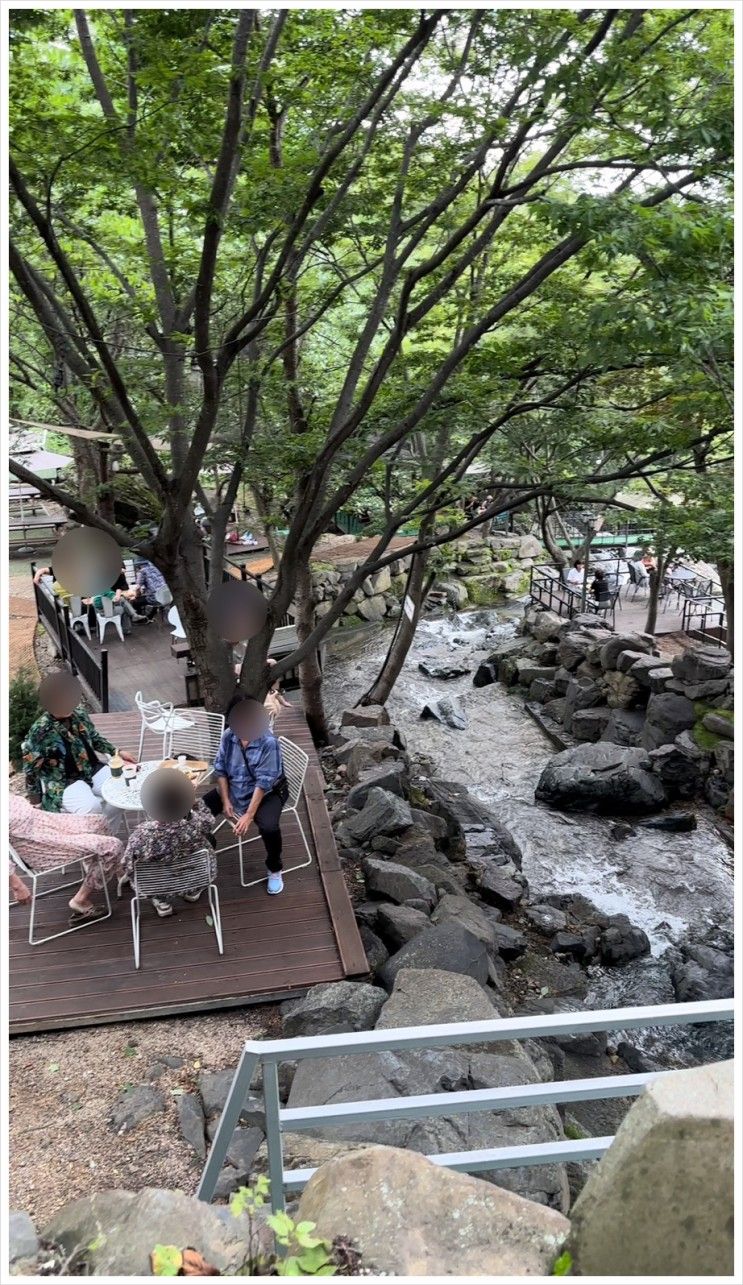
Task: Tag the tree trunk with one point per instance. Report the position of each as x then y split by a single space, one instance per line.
310 673
726 572
416 589
558 555
262 511
656 582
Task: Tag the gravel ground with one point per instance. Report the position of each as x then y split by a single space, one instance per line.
62 1089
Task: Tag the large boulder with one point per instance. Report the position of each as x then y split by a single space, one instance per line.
701 665
331 1009
660 1203
383 813
421 998
624 727
614 646
680 772
622 941
546 627
601 778
666 716
391 776
117 1231
449 710
398 924
410 1217
530 547
447 946
582 693
461 910
365 716
443 669
23 1242
590 724
622 690
397 883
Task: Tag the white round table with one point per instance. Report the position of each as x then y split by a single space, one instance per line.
124 794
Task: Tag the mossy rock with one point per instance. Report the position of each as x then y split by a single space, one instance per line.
321 566
705 739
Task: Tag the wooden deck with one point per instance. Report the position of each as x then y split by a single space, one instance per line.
274 947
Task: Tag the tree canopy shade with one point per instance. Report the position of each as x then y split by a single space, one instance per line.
314 244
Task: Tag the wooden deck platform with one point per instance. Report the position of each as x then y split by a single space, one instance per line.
274 947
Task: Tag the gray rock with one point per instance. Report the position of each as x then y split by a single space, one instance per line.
486 674
600 778
542 691
667 714
382 814
622 690
562 680
555 709
398 924
446 946
391 776
546 919
657 680
719 725
530 547
701 664
214 1087
528 671
435 825
501 886
374 948
348 737
472 917
191 1120
703 973
383 843
546 627
449 710
675 822
510 942
643 667
366 913
625 727
582 693
589 724
397 883
443 669
332 1008
135 1105
585 620
614 646
365 716
680 773
623 941
23 1243
575 945
119 1230
723 756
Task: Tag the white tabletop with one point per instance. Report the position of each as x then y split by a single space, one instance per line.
124 794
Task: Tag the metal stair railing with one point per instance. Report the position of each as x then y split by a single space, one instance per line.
269 1053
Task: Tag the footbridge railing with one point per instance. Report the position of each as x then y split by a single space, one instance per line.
268 1054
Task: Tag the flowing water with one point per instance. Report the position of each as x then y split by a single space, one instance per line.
668 884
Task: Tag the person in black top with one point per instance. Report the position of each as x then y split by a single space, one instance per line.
601 589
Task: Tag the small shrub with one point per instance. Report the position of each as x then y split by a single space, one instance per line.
23 710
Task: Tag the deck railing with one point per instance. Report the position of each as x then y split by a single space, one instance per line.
705 619
73 650
269 1054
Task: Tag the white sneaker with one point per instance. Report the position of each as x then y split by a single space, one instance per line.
162 908
275 883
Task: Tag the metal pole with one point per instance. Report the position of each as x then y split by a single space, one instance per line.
227 1125
272 1106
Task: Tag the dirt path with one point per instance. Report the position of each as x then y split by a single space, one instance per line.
62 1089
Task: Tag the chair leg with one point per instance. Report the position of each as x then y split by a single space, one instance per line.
287 869
300 865
118 627
141 742
35 895
86 627
135 909
216 917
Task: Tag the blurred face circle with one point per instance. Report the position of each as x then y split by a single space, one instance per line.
248 720
167 795
86 561
60 693
237 611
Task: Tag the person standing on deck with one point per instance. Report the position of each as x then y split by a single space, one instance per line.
251 785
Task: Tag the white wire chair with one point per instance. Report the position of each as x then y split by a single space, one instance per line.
295 769
64 867
200 738
187 873
160 717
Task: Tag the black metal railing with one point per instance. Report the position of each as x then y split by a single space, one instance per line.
547 589
73 651
705 618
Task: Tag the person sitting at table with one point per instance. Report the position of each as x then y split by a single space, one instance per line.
177 825
600 587
575 575
251 785
149 581
44 840
60 759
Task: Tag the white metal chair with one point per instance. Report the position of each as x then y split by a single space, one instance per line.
174 620
295 770
108 616
164 599
185 874
63 868
199 737
79 614
161 718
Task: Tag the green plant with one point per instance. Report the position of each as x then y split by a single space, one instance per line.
563 1265
573 1131
23 710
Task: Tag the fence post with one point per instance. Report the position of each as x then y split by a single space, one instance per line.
104 681
272 1105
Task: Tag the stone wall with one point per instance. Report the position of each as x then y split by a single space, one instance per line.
471 573
650 730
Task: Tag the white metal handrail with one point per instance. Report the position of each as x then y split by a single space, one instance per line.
269 1053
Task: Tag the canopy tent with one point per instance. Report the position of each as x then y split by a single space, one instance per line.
45 464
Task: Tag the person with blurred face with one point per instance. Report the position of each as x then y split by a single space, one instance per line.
60 754
251 785
177 825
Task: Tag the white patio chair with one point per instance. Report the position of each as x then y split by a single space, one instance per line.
108 616
295 770
185 874
174 620
64 867
164 599
160 717
79 614
200 739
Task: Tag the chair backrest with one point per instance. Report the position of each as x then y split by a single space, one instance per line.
200 740
163 596
632 572
76 607
107 608
295 768
185 873
151 711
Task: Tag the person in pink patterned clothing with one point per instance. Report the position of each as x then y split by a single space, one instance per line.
45 839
